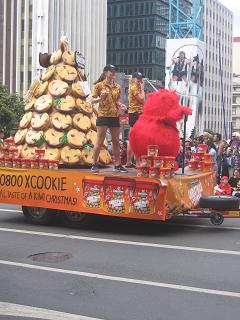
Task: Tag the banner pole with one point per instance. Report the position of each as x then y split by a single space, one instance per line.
184 144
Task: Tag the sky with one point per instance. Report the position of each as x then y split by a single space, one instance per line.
234 6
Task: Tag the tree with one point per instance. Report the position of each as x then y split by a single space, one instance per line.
11 110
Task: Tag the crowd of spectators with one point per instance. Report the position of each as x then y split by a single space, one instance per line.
226 155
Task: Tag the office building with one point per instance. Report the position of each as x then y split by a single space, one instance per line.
217 95
133 40
236 55
236 104
236 85
137 30
8 39
32 26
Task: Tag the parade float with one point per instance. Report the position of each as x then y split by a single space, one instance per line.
46 168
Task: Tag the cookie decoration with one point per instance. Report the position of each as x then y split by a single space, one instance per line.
58 116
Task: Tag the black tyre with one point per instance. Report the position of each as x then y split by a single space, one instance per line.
38 216
216 219
221 203
75 219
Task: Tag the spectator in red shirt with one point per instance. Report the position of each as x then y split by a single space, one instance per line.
224 188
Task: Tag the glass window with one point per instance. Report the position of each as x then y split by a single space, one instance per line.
127 11
29 77
136 9
121 11
114 58
114 11
135 56
146 41
145 56
109 11
125 26
131 60
136 25
238 100
22 25
125 58
121 59
131 10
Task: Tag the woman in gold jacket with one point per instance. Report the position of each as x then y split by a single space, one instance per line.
107 93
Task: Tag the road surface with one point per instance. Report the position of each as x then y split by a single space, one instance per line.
118 269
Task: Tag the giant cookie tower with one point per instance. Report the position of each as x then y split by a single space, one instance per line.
58 115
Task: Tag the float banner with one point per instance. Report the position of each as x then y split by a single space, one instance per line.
185 75
82 191
184 192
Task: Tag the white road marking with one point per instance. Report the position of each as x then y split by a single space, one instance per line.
11 210
125 280
201 226
17 310
123 242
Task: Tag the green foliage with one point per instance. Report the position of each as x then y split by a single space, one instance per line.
11 110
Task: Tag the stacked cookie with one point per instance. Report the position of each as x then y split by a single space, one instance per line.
59 117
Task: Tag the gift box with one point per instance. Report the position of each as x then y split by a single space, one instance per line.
93 196
117 194
154 173
146 161
202 148
208 157
193 165
144 197
142 171
152 150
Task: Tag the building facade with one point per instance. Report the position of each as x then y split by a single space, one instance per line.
137 30
236 85
217 95
8 39
236 104
32 26
136 36
236 55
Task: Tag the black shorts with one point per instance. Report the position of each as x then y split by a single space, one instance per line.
110 122
133 118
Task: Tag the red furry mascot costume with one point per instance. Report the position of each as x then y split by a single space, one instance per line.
157 125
